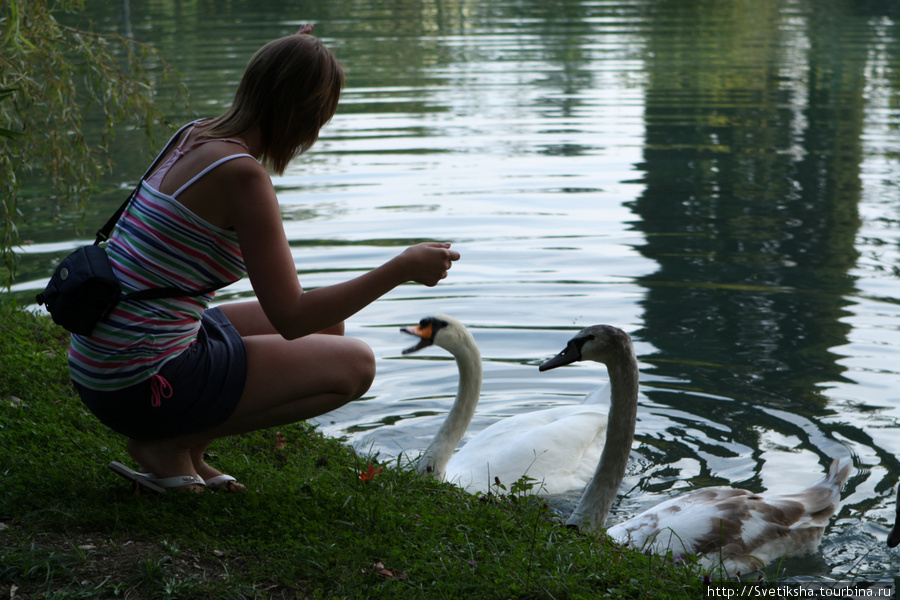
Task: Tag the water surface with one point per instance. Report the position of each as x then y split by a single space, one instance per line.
716 177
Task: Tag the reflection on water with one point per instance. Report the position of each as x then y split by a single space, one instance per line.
718 178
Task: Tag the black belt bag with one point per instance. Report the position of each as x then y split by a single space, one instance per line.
84 289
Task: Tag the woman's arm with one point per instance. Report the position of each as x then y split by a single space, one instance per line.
254 213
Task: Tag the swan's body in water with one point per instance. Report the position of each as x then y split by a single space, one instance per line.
894 535
557 447
735 530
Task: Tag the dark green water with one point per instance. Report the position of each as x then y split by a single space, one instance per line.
717 177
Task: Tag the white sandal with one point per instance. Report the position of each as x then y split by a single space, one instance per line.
226 483
151 482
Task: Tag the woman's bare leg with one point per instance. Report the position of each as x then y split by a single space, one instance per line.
287 381
163 458
290 381
167 456
249 319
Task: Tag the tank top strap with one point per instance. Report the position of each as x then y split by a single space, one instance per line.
208 169
155 178
229 140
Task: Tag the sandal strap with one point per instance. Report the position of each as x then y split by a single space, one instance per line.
219 480
150 481
179 481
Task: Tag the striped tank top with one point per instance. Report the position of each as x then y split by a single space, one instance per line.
156 243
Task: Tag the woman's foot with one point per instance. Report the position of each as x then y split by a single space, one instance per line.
164 460
215 479
160 486
226 483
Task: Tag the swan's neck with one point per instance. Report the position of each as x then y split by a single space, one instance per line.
438 453
600 493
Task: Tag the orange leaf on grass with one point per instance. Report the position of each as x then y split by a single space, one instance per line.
370 474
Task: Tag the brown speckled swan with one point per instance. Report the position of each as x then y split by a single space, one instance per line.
733 530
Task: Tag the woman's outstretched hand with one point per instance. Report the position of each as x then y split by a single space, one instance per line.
428 263
323 307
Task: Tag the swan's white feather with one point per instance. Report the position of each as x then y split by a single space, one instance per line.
600 395
558 447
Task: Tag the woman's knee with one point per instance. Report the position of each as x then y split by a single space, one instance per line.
361 368
336 329
311 365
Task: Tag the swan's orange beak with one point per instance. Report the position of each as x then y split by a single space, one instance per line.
423 330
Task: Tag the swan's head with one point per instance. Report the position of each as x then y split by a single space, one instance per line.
600 343
441 330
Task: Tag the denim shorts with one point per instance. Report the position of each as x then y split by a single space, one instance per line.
192 392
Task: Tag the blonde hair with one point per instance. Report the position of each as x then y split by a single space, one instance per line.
289 90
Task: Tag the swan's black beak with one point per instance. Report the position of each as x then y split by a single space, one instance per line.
571 353
423 330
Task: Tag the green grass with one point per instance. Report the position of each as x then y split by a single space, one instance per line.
309 527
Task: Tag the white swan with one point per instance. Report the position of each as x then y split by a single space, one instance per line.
734 530
450 334
557 447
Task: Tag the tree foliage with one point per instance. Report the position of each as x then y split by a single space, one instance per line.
51 76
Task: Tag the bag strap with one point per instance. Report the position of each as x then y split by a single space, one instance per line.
103 232
167 292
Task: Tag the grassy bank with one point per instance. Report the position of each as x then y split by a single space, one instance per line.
309 527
